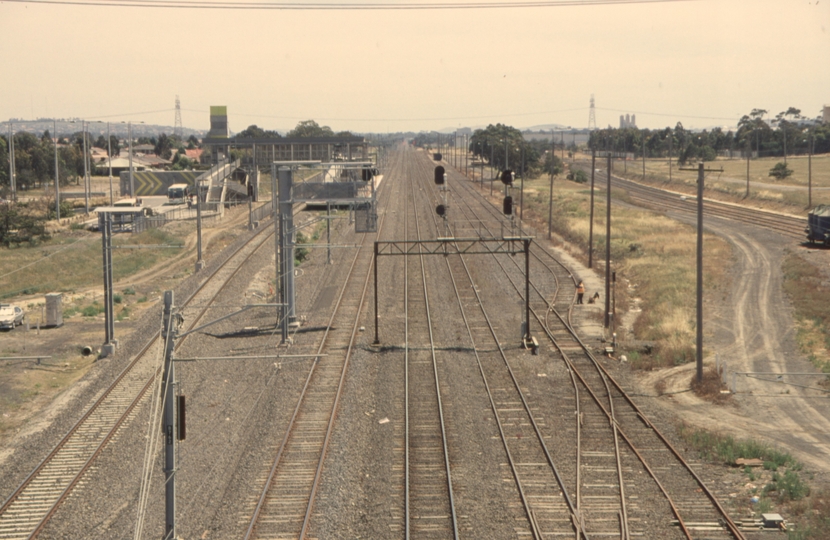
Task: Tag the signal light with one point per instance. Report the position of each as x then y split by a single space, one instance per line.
182 431
439 175
367 174
441 210
507 177
507 206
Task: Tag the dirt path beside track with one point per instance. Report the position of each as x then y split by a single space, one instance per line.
753 330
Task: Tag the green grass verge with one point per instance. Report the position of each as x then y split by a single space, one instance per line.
69 262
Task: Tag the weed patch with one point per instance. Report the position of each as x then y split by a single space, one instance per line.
726 449
711 387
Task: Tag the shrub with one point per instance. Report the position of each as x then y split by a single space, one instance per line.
92 311
780 171
300 253
578 176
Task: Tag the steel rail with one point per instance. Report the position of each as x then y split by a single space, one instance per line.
649 196
623 507
576 519
301 399
445 449
607 377
75 478
574 373
640 415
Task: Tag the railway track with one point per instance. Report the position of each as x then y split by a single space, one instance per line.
602 402
285 501
28 509
547 509
429 503
664 201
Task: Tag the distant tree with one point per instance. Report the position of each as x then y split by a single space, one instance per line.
254 132
552 164
19 224
310 128
192 140
181 162
780 171
578 176
164 146
504 144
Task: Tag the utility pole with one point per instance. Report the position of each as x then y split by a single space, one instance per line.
522 188
699 265
607 323
810 172
105 225
748 154
591 218
109 159
11 163
550 198
699 313
130 137
277 256
491 170
86 169
671 136
644 155
168 384
57 175
199 262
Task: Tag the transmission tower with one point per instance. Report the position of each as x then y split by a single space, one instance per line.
177 126
592 118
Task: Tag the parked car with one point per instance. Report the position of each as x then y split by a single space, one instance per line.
11 316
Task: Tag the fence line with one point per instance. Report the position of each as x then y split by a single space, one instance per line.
264 211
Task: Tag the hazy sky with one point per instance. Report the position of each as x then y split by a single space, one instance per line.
703 63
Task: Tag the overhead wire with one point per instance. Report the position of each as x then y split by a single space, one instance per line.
152 438
337 6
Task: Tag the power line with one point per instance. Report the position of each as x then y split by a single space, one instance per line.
671 115
432 119
334 6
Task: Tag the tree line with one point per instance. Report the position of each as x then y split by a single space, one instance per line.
34 157
787 133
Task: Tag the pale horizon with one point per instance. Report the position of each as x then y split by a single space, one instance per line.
704 63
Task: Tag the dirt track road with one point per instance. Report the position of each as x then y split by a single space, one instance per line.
752 330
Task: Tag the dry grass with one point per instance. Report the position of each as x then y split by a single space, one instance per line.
653 253
812 516
809 292
731 184
73 260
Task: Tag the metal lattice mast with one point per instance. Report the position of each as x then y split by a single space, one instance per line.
177 125
592 118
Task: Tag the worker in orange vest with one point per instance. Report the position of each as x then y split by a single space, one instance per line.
580 292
